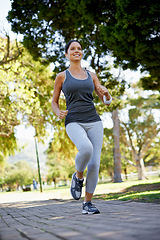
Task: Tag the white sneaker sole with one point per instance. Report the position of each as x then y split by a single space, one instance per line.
71 191
86 212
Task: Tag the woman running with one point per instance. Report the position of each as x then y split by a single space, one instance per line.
83 124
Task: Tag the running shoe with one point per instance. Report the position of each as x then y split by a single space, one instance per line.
76 187
89 208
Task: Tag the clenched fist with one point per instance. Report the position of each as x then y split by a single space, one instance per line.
62 114
103 90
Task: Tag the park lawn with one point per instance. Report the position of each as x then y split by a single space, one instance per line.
150 196
140 191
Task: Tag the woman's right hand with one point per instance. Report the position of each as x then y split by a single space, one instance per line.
62 114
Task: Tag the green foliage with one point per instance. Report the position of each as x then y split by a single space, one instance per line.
60 155
152 156
107 157
149 196
135 191
19 174
25 96
106 164
8 53
150 83
133 35
8 145
129 29
139 133
40 24
48 25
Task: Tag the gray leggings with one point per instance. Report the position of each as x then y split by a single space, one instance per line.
88 138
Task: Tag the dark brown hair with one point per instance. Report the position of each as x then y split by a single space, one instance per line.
69 43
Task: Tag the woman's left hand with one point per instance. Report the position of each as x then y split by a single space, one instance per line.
104 91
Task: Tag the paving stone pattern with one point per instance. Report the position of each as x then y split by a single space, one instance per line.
57 219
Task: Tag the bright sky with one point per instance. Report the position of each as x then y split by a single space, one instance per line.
5 6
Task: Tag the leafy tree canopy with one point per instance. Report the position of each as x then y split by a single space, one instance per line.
25 96
19 174
130 29
140 132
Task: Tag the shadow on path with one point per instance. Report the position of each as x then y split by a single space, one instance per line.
140 188
57 219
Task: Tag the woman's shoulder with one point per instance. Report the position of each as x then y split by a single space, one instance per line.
93 75
60 77
95 79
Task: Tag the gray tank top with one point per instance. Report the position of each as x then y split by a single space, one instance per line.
79 99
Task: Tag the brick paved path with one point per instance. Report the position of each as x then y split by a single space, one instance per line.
55 220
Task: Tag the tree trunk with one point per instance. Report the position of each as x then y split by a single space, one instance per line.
125 172
116 152
141 169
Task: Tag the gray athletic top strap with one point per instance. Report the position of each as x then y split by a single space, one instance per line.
79 99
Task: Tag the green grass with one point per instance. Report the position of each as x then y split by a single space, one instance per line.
151 196
141 191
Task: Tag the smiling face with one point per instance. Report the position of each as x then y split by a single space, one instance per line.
75 52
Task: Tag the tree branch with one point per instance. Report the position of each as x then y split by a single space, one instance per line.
8 57
129 161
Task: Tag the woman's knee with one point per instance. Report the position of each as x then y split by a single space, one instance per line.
86 150
93 167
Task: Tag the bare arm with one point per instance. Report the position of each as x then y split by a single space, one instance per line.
56 94
99 89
